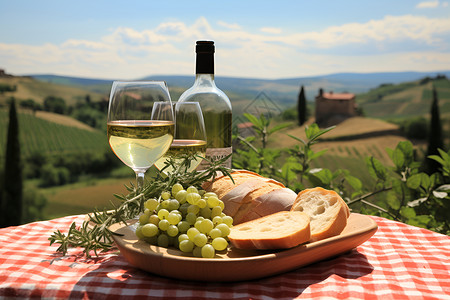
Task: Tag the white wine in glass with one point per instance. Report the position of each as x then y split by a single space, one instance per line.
190 138
136 133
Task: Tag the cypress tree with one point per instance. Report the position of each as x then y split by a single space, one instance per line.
11 206
301 107
435 140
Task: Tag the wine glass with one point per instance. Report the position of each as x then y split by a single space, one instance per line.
140 132
189 141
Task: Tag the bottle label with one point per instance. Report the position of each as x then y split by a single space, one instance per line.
216 154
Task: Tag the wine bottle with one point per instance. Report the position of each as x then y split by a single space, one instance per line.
216 106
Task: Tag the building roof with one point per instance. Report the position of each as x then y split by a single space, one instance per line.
338 96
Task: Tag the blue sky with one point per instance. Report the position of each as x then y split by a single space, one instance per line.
260 39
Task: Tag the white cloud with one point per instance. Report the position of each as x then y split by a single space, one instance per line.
389 44
271 30
428 4
233 26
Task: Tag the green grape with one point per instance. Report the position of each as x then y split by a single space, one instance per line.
183 226
193 209
192 232
197 252
216 211
149 230
176 188
200 239
172 230
201 203
193 221
173 218
212 201
173 204
192 198
183 237
208 251
215 233
152 240
165 204
228 220
217 220
181 196
163 240
163 213
154 219
191 218
186 246
219 243
192 189
221 204
209 194
205 212
224 229
206 226
143 219
163 224
151 204
139 233
197 224
165 195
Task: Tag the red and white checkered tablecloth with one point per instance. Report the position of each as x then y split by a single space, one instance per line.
398 262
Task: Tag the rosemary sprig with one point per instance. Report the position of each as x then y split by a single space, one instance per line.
94 235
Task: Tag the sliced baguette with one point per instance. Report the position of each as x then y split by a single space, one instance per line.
223 184
248 202
281 230
327 210
269 203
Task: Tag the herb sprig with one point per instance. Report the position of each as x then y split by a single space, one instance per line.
94 234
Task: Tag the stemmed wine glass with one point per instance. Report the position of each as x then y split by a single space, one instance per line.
139 132
189 141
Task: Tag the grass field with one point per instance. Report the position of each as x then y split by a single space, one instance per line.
83 197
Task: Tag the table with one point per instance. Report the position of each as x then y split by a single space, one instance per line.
398 262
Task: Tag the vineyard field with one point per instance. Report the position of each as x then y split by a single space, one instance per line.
38 135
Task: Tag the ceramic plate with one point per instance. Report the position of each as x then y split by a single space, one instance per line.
236 264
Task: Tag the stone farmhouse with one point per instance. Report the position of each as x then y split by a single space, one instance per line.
333 108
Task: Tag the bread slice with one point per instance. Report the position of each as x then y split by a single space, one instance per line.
327 210
269 203
281 230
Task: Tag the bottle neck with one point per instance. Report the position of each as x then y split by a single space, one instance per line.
205 80
204 63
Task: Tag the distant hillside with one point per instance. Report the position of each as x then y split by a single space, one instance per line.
406 100
283 91
37 90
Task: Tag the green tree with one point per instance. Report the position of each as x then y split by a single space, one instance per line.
55 104
435 140
301 107
11 205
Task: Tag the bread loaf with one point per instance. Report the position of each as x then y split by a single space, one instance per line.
327 210
285 229
244 197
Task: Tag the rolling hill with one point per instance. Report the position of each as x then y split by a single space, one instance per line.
283 91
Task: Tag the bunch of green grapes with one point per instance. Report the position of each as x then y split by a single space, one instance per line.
188 219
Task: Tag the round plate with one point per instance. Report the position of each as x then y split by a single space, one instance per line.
236 264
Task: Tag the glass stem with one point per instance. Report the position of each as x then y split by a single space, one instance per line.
139 180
